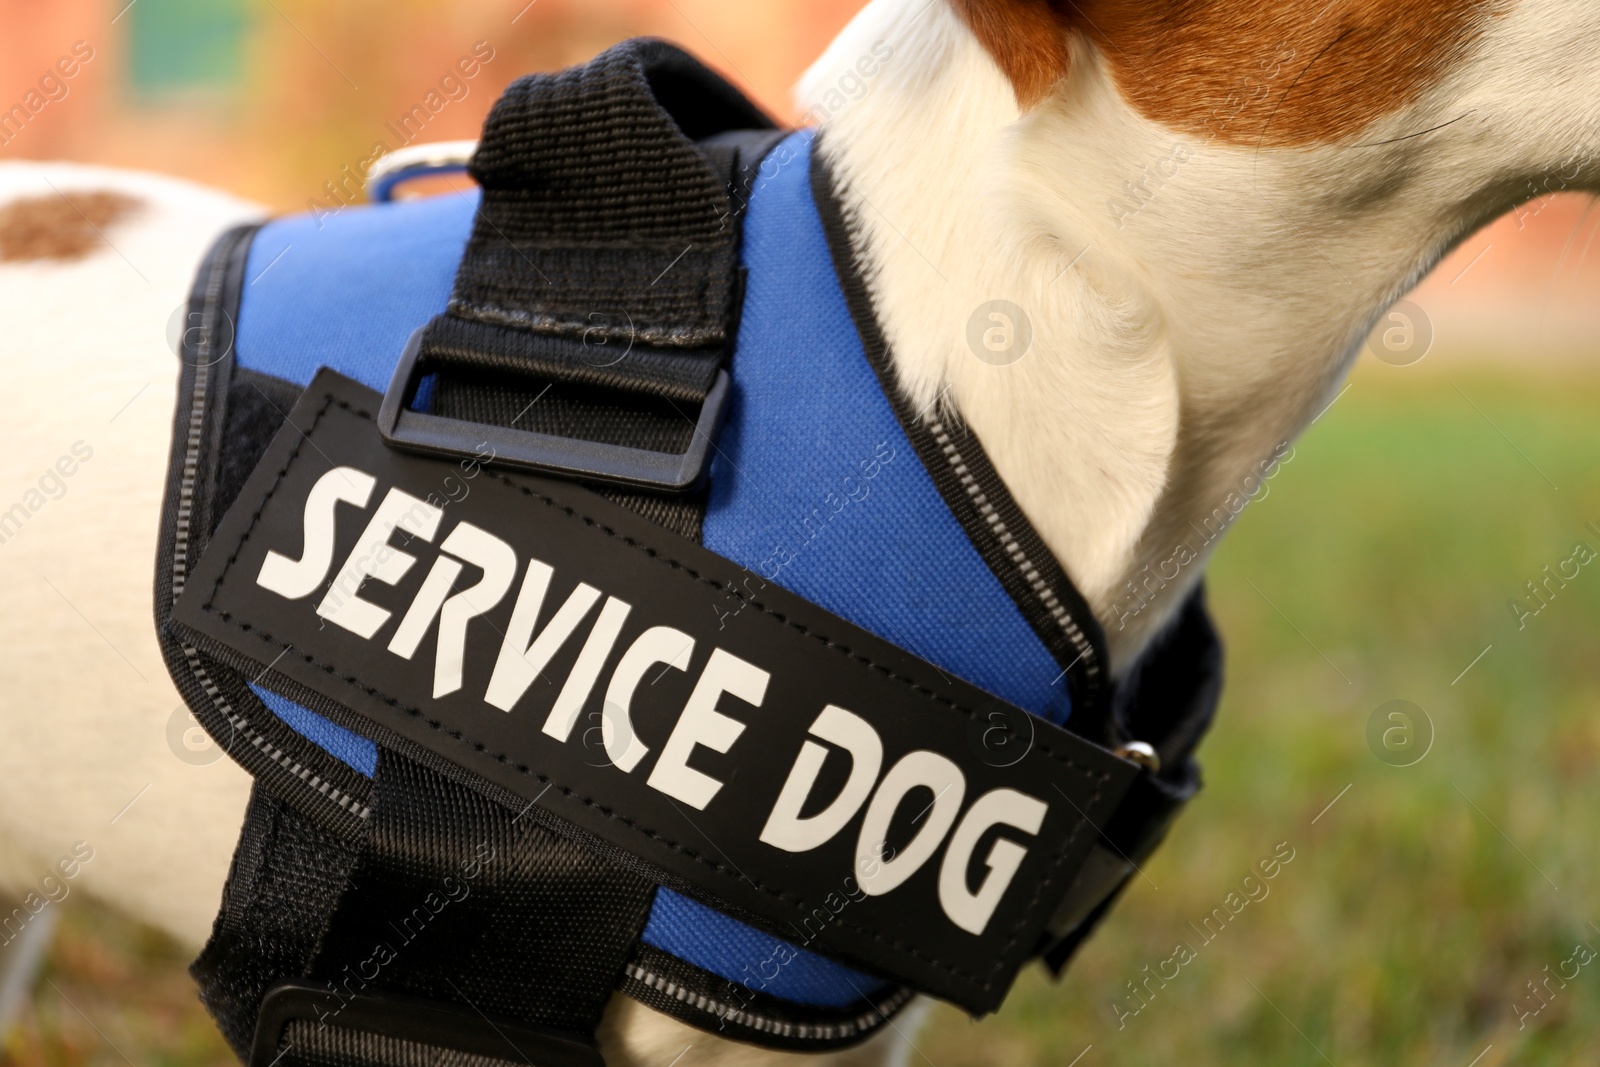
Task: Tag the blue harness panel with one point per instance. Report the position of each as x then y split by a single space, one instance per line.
815 486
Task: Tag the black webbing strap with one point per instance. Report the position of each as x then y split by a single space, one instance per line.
287 878
456 899
591 306
567 227
597 299
1170 696
450 904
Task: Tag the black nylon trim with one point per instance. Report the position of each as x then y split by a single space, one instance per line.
703 1000
471 346
1168 698
283 885
566 220
306 1044
281 761
976 496
458 900
599 294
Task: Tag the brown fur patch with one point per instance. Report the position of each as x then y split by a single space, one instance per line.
1280 73
60 227
1027 38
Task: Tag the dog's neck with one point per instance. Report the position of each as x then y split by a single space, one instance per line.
1184 329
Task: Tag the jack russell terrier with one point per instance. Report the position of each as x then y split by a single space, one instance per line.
1199 210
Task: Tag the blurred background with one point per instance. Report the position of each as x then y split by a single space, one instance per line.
1443 883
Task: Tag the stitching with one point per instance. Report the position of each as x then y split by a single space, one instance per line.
540 322
183 526
767 1024
255 517
801 628
1056 865
1008 542
259 742
589 802
926 439
571 512
329 401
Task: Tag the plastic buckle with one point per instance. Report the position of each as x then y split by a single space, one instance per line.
416 431
413 1019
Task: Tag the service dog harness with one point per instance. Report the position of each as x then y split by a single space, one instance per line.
594 615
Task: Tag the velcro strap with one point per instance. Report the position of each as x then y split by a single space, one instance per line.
578 665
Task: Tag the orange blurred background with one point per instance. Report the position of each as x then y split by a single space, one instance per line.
273 99
270 98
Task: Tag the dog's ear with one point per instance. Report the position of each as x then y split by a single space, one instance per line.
1027 38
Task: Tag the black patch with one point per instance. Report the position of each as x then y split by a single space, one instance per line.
257 405
812 659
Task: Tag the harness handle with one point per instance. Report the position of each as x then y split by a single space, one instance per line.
597 301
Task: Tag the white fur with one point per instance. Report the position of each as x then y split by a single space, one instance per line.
85 694
1170 356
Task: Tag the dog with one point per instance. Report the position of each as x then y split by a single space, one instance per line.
1134 244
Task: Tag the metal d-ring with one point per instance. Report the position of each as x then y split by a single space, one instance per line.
416 161
1144 755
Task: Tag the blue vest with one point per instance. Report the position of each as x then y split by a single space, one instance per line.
814 487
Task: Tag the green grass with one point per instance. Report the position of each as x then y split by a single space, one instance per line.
1378 567
1415 909
113 994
